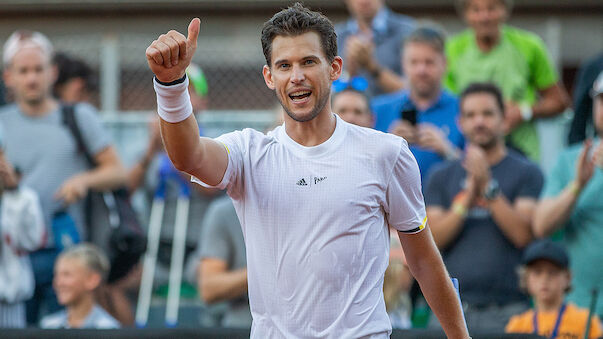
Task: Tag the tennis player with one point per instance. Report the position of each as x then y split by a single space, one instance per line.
315 196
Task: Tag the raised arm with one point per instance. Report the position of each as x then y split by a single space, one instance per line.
168 57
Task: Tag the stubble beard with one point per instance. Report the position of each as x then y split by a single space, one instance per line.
320 104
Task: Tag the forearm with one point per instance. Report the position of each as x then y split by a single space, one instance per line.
436 285
552 102
223 286
552 213
515 226
105 177
447 227
137 173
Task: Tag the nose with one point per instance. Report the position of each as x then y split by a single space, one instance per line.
297 75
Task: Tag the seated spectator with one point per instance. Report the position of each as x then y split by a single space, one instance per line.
76 82
21 231
370 42
479 210
222 272
582 124
424 114
79 271
515 60
353 106
571 201
545 276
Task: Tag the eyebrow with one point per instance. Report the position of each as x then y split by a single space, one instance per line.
311 56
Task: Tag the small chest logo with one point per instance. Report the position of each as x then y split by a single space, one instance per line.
311 181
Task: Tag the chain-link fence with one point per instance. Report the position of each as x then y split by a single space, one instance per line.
232 67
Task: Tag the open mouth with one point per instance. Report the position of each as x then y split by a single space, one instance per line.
299 96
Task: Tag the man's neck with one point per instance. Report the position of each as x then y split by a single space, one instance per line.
487 42
39 109
496 153
313 132
79 311
551 305
423 102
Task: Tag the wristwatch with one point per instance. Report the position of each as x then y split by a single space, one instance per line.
492 190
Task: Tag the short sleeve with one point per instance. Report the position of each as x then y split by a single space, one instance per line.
434 193
518 324
234 143
557 178
404 207
94 134
543 74
214 241
532 182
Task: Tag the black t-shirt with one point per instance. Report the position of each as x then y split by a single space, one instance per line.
481 257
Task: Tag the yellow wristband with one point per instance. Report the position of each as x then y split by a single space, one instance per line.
574 188
459 209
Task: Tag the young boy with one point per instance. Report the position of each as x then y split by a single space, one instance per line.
78 271
545 276
21 231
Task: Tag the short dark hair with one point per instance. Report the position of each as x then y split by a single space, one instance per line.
461 5
71 68
487 88
428 34
296 20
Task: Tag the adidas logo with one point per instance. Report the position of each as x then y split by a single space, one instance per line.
302 182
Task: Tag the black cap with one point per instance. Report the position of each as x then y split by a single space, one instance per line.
545 249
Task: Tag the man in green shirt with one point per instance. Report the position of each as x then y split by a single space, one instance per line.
515 60
571 200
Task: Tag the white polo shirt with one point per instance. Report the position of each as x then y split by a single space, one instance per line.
315 226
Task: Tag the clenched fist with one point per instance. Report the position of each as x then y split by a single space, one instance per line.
169 55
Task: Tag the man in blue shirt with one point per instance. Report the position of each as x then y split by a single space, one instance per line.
424 114
369 43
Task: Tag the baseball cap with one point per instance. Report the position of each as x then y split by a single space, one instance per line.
597 86
545 249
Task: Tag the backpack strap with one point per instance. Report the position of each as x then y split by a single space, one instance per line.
69 120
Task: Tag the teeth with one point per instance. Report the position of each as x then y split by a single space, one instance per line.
299 93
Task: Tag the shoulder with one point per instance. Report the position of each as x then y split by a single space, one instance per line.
517 160
400 21
519 322
523 39
377 141
449 97
55 320
388 99
84 111
458 43
104 320
8 111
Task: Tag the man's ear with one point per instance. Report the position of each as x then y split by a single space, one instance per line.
268 77
336 68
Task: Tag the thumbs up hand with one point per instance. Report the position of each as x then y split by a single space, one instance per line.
169 55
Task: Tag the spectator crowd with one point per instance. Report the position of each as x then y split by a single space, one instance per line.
525 245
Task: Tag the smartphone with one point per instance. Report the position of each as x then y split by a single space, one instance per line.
409 113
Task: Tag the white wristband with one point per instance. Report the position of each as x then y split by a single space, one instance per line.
173 102
526 112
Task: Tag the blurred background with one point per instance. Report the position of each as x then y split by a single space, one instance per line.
112 35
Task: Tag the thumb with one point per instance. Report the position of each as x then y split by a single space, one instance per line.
193 31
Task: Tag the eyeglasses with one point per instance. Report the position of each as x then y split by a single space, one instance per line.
359 84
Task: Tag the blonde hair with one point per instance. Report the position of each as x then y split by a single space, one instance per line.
91 256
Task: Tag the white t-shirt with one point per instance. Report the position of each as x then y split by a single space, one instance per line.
315 226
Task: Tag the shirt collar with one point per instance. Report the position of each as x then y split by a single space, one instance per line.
379 23
440 100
